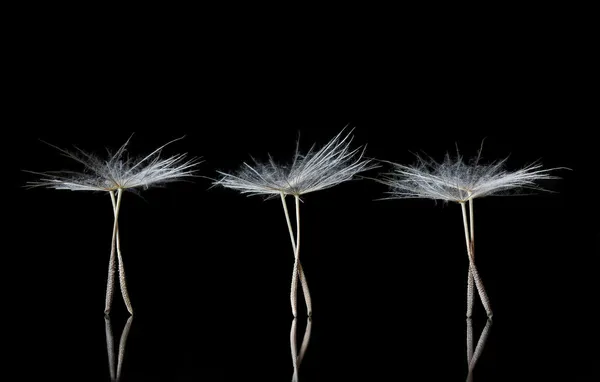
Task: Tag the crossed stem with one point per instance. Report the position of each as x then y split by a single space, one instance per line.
112 267
298 271
473 273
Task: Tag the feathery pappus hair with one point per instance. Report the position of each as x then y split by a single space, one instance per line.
453 179
117 171
332 164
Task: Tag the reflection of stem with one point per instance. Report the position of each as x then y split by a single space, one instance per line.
300 269
110 347
121 265
484 298
294 347
305 341
112 264
122 345
297 358
480 345
115 373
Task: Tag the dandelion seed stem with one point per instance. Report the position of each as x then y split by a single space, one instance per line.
294 289
122 280
478 283
470 286
112 262
307 298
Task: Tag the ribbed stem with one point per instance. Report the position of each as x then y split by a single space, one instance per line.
478 283
122 280
294 288
110 284
470 294
469 340
303 281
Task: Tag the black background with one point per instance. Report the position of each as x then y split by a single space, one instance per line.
209 269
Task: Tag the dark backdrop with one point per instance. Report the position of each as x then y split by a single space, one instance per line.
209 269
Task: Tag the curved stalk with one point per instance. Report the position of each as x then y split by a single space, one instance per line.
122 280
478 283
294 292
294 288
470 292
303 281
110 284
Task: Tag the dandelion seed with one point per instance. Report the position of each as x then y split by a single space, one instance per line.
115 174
316 170
456 181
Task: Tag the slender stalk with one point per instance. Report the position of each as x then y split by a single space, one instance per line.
478 283
294 291
470 294
112 263
307 298
122 281
122 344
472 227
